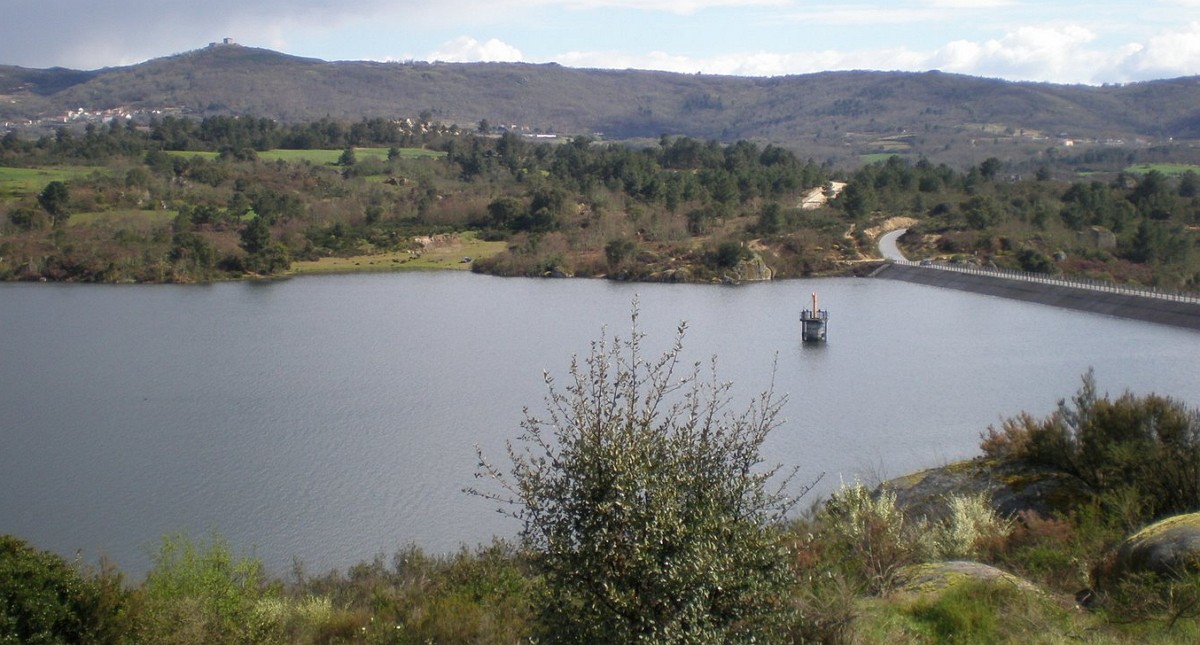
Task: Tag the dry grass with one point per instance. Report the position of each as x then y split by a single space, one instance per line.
444 253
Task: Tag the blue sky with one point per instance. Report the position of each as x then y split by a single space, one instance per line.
1063 41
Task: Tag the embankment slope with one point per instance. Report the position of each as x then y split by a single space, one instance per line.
1147 308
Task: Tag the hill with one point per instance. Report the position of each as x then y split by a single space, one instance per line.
835 115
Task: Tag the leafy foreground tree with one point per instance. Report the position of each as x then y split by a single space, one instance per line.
646 503
46 600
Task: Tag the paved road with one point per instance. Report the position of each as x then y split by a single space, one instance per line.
888 248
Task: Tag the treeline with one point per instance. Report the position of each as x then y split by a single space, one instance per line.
241 136
576 208
682 209
1137 228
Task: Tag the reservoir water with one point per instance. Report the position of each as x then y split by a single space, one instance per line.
332 419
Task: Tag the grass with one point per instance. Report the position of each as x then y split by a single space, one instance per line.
446 255
993 612
1164 168
18 182
324 157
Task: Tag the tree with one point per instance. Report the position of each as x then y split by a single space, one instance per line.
982 211
729 253
646 505
256 235
45 599
857 199
1189 184
53 199
504 211
617 250
347 158
770 218
989 167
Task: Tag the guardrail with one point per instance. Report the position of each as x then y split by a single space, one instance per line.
1061 281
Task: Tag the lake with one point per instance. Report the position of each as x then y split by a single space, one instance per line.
332 419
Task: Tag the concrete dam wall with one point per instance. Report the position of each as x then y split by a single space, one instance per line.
1180 312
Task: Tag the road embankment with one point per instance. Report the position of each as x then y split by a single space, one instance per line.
1124 305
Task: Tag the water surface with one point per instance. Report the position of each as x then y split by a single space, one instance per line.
334 418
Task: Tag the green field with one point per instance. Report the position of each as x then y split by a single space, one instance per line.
1164 168
18 182
323 156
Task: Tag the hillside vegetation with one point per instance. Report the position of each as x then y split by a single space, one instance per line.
834 116
180 200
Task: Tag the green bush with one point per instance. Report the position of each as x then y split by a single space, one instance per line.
645 505
201 593
45 600
1141 454
1148 598
969 528
869 536
480 596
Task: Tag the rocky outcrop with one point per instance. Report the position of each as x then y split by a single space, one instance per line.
751 270
1167 548
936 577
1010 488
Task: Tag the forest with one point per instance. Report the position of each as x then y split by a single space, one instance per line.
179 200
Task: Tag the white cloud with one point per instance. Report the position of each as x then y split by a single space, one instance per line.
498 9
465 49
683 7
926 11
845 16
1168 53
1030 53
748 64
969 4
1061 54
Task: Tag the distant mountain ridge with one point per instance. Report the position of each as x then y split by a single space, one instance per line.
831 113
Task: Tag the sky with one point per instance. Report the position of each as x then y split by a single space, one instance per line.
1058 41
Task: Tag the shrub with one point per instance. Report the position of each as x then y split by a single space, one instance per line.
970 528
481 596
1147 597
728 254
44 599
644 503
201 593
1045 549
1141 454
870 536
825 611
